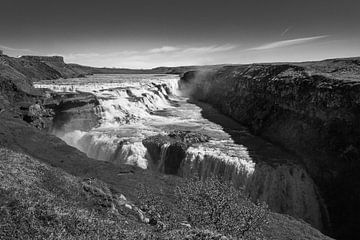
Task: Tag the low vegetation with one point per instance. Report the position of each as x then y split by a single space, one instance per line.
210 206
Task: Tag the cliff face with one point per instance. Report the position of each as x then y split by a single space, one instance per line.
312 109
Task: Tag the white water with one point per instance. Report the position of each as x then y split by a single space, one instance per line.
133 107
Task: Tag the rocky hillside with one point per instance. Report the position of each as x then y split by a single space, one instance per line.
312 109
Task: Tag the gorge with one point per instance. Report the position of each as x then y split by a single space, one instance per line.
139 110
286 134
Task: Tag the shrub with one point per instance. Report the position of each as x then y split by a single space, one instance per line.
215 205
159 211
209 205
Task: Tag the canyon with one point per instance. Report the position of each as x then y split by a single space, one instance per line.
294 127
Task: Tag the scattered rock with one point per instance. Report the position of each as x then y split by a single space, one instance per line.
38 116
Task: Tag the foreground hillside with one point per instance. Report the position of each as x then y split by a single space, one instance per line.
311 109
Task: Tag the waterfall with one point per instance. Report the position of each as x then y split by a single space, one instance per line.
163 156
130 153
207 161
126 107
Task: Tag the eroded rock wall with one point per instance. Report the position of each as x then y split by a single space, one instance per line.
310 109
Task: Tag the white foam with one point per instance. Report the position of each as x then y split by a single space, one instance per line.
126 104
235 155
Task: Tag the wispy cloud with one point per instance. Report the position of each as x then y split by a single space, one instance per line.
209 49
287 43
191 50
3 47
163 49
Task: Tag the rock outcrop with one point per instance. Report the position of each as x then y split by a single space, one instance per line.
38 116
311 109
73 111
168 152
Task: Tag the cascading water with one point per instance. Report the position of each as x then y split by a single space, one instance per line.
131 108
232 163
127 108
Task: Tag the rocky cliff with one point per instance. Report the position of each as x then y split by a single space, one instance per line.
311 109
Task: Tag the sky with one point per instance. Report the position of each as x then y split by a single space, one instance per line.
146 34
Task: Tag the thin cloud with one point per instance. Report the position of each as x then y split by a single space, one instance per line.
209 49
3 47
192 50
287 43
163 49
